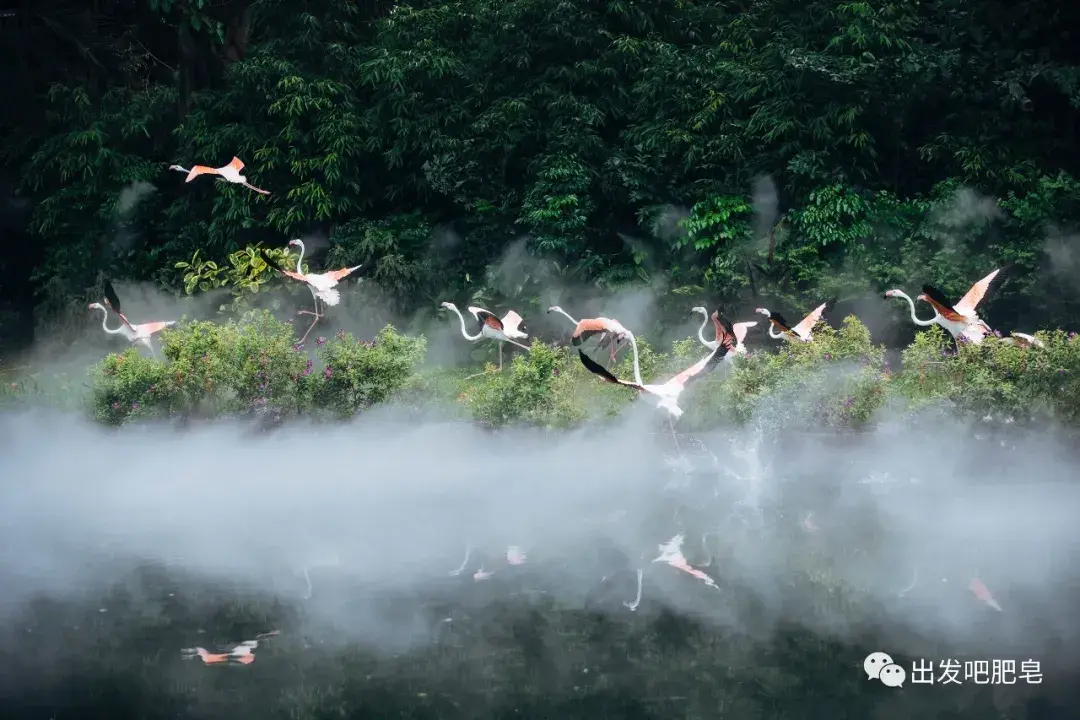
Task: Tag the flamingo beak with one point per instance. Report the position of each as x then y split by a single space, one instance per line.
922 298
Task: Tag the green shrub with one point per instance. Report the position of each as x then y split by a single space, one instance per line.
357 374
529 391
835 381
996 378
128 385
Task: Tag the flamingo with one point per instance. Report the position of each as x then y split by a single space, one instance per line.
514 556
1022 340
983 593
321 285
134 333
959 320
229 173
739 328
241 653
671 554
614 341
802 332
505 330
667 393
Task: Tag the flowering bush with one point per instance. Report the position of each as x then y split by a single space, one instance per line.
248 366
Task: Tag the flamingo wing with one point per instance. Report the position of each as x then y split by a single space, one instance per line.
511 321
148 329
337 275
781 324
487 318
295 275
123 319
597 369
725 334
938 301
974 296
741 328
808 322
206 656
197 170
589 327
696 369
111 298
236 164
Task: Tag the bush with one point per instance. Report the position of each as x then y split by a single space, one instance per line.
995 378
835 381
358 374
528 392
252 365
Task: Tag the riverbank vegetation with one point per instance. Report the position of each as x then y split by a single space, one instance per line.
252 366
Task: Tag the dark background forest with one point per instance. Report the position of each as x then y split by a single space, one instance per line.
796 151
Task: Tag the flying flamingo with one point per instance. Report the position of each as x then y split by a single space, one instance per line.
505 330
614 341
739 328
959 320
668 392
671 553
229 173
241 653
134 333
779 329
321 285
983 593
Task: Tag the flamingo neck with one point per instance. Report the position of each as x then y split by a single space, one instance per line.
916 320
300 260
105 322
701 330
464 332
566 315
775 334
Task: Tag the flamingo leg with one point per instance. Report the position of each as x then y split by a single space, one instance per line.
500 356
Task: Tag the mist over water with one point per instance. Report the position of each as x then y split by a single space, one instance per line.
389 506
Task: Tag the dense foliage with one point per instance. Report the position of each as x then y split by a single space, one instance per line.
628 142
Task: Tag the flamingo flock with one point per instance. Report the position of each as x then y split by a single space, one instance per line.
960 320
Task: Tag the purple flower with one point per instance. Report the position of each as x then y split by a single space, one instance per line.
328 372
828 356
298 347
134 406
849 402
320 341
116 406
555 372
997 333
307 368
